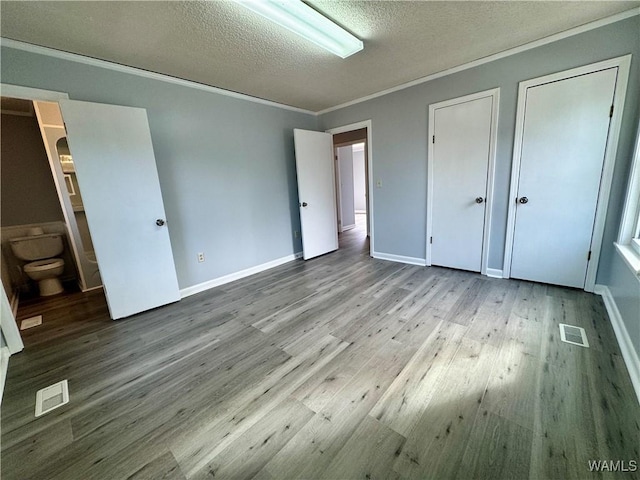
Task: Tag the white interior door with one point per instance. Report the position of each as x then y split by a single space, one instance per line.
116 170
461 149
316 192
564 140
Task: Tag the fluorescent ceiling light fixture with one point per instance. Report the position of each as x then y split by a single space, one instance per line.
300 18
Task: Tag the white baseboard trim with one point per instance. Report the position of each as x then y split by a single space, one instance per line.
216 282
99 287
494 273
399 258
629 353
4 368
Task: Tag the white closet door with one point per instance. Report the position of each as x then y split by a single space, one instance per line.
316 191
564 139
116 170
460 165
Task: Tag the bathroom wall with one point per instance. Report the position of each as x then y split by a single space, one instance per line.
18 281
28 195
6 275
27 192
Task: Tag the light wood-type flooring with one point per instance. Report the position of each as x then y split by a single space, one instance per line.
340 367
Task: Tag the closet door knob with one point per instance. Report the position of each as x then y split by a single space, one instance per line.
479 199
160 222
523 200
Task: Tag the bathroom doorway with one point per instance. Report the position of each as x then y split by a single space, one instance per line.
54 137
41 195
115 163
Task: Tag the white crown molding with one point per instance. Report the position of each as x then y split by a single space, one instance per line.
73 57
496 56
94 62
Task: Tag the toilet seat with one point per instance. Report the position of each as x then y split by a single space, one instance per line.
43 265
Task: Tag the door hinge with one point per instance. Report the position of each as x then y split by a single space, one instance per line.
589 256
611 111
433 139
430 239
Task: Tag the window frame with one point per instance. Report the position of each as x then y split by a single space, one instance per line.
628 244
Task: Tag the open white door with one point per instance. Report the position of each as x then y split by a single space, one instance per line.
116 170
316 191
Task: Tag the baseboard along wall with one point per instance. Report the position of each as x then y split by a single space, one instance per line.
216 282
399 258
629 354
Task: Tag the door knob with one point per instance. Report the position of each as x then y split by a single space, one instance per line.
479 199
303 204
523 200
160 222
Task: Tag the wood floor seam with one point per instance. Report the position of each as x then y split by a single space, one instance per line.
340 367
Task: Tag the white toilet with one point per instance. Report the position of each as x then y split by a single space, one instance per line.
39 248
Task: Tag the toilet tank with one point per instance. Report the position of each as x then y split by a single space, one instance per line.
37 247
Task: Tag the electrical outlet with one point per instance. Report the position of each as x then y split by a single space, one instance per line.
296 234
200 257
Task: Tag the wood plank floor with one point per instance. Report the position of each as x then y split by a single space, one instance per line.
339 367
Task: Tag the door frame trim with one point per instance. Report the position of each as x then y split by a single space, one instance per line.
620 91
28 93
39 95
357 126
494 94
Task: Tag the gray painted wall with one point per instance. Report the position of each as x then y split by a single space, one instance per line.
227 168
226 165
399 141
28 194
399 134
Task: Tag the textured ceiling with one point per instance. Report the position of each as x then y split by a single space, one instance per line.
222 44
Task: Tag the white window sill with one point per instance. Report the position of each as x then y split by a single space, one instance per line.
631 257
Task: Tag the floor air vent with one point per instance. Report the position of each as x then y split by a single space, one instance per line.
31 322
52 397
573 335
